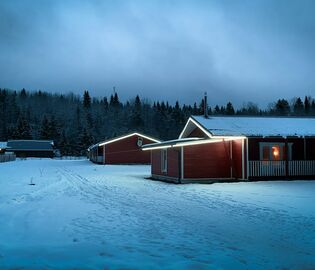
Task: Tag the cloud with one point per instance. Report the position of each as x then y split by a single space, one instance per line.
235 50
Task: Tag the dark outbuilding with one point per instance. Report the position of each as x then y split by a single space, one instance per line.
32 148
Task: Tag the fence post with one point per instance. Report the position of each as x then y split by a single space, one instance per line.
286 158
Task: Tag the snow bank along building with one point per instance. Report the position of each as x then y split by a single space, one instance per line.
122 150
237 148
31 148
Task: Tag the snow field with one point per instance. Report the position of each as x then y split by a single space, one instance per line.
79 215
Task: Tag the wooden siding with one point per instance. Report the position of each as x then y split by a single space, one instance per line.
207 161
156 162
126 151
297 147
197 132
172 163
237 158
40 154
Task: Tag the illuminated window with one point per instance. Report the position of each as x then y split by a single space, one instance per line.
273 151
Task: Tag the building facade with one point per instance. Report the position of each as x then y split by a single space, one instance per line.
125 149
237 148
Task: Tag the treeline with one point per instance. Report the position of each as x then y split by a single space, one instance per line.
76 122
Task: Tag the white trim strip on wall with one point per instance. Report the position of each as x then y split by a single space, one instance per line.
127 136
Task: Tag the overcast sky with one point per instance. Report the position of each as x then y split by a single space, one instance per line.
173 50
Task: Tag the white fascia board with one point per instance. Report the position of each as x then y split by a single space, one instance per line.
230 138
205 141
127 136
180 144
181 134
196 124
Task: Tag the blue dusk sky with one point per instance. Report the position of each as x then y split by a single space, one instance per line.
163 50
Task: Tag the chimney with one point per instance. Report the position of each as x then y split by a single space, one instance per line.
205 105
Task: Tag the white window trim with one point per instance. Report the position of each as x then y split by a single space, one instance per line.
164 158
270 144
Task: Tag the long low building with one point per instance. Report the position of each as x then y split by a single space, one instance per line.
31 148
211 149
124 149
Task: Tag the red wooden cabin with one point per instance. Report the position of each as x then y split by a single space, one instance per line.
237 148
122 150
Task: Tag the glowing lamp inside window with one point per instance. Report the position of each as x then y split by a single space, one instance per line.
275 152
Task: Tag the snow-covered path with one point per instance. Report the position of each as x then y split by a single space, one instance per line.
79 215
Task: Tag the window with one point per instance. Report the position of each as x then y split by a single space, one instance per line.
164 160
274 151
139 142
265 153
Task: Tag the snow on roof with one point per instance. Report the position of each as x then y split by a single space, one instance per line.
31 145
258 126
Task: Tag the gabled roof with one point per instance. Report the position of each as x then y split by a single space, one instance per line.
30 145
123 137
252 126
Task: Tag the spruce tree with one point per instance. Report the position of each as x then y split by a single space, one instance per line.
307 105
229 109
136 117
298 107
23 129
282 107
216 109
86 100
44 129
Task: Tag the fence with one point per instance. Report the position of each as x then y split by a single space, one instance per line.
301 167
258 168
266 168
71 157
7 157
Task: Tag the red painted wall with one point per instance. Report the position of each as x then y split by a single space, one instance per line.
156 162
172 163
237 158
202 161
207 161
126 151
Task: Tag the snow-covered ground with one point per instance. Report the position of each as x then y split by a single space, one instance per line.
79 215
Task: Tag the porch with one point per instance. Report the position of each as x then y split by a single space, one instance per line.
281 168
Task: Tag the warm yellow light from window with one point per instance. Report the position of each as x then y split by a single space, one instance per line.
275 152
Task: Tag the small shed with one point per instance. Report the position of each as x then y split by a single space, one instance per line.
32 148
211 149
124 149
